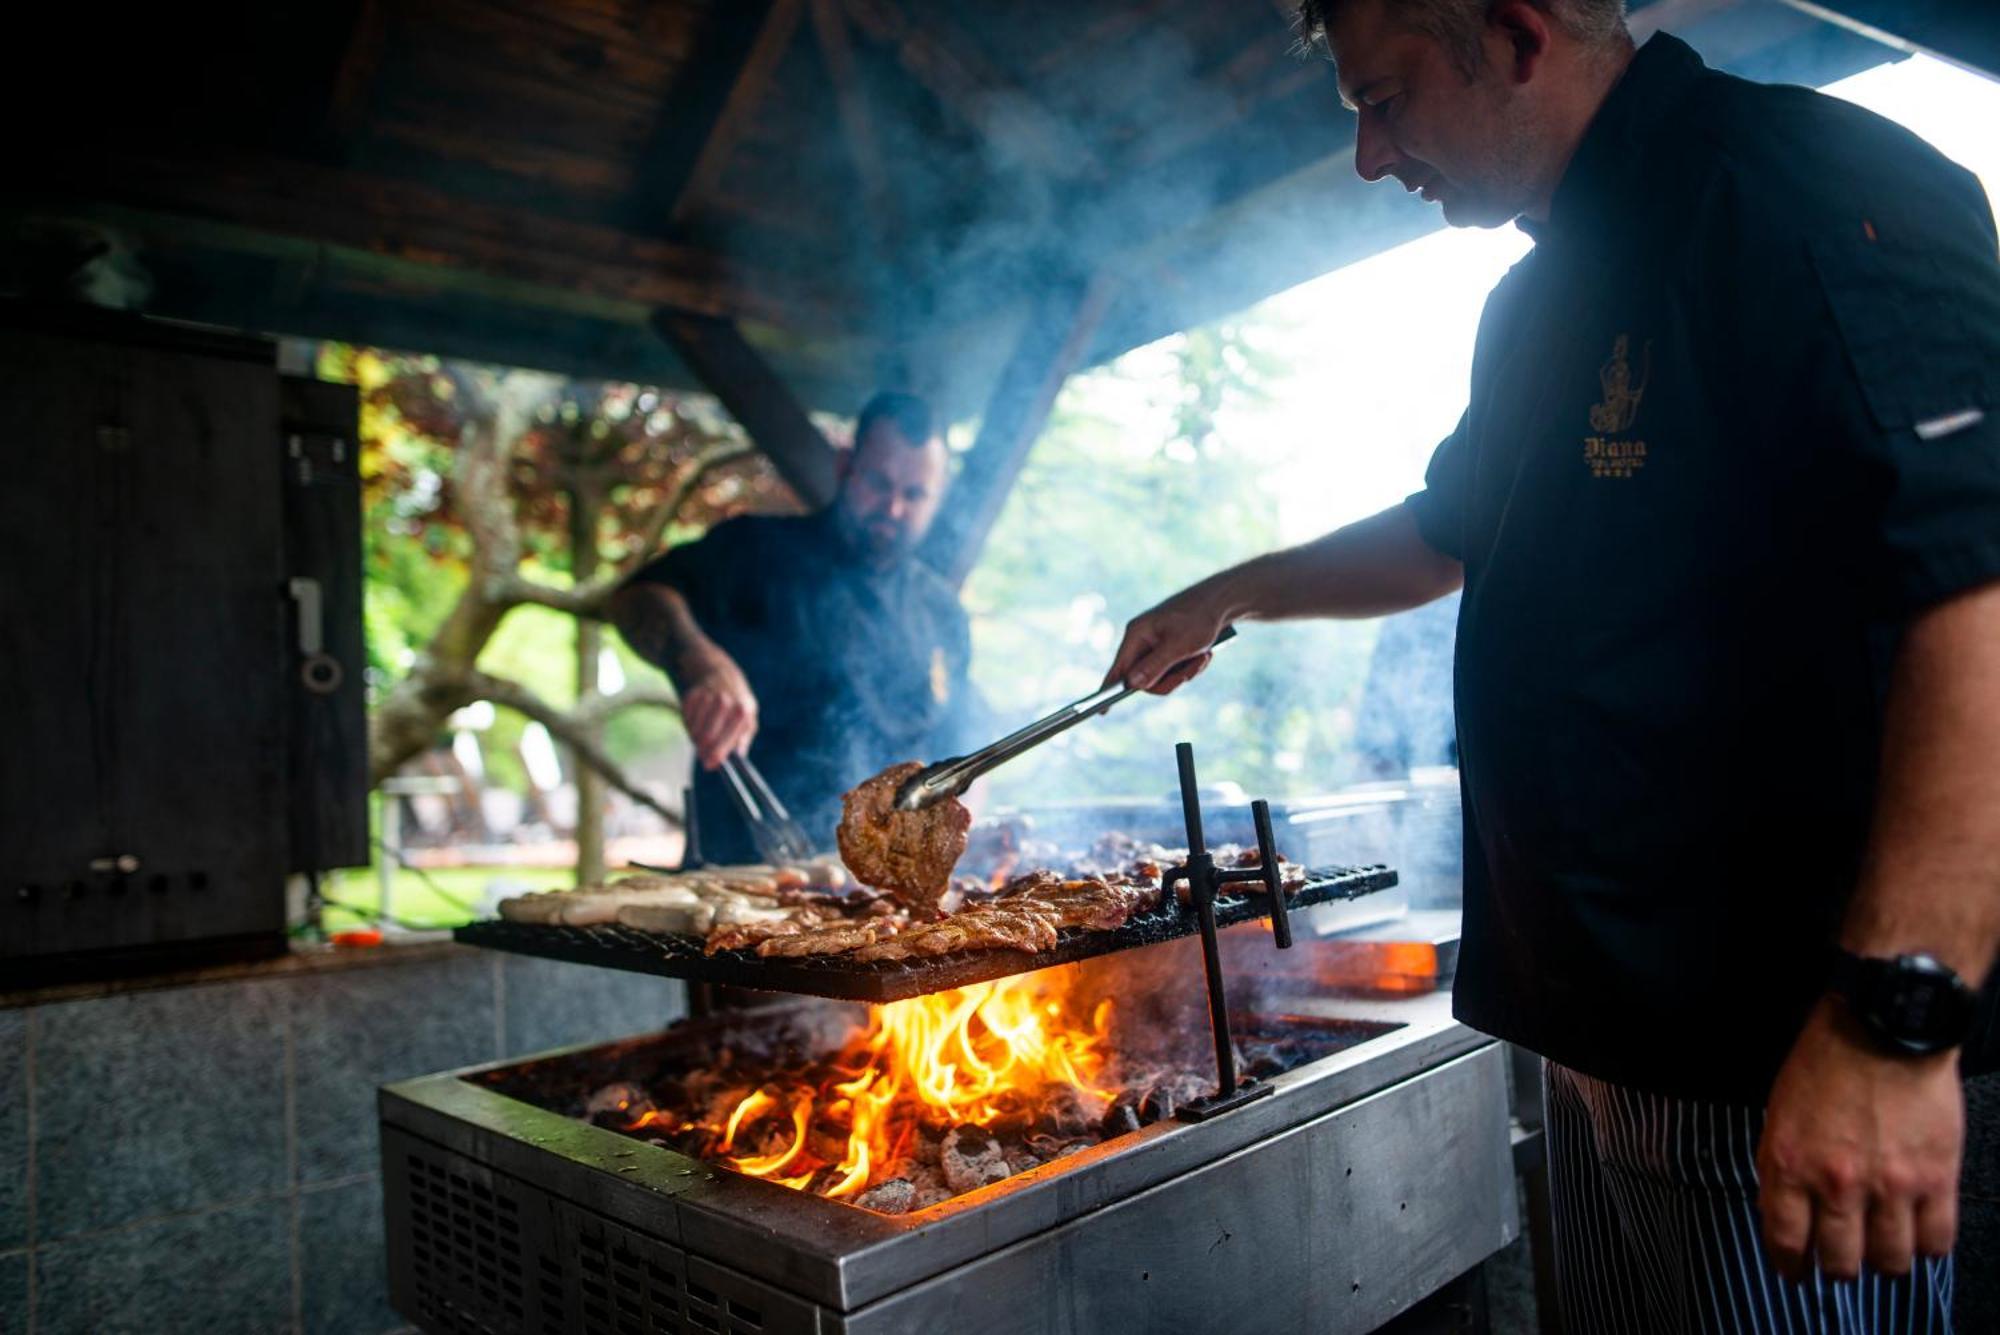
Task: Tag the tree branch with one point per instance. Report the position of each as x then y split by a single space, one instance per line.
587 600
632 697
565 728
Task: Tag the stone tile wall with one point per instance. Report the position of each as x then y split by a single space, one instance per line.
204 1158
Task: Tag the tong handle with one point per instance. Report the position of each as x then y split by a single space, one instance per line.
951 777
777 836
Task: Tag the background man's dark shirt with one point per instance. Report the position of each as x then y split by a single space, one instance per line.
854 668
1724 441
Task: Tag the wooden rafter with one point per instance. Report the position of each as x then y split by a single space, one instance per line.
1051 344
712 104
1959 31
857 122
754 395
353 78
966 84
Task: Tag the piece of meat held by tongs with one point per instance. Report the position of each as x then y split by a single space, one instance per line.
904 830
950 778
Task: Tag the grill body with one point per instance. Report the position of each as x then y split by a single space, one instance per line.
1366 1181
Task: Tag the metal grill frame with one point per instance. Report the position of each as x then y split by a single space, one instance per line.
675 956
476 1252
836 1255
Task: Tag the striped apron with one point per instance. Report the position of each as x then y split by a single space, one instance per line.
1655 1210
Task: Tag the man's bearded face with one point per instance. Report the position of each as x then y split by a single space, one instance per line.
890 495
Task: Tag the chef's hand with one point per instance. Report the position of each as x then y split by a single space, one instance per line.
1182 626
718 708
1860 1153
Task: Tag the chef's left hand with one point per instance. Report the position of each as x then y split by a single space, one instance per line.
1860 1153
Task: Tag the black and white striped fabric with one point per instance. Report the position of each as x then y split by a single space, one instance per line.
1655 1205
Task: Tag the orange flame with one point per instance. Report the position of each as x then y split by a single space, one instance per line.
965 1057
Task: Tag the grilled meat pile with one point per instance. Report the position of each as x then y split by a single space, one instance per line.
908 853
816 910
731 906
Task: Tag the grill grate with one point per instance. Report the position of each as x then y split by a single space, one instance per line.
618 947
474 1253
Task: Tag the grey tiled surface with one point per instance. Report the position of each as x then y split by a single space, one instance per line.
14 1293
13 1130
551 1004
164 1197
219 1273
345 1283
359 1029
157 1102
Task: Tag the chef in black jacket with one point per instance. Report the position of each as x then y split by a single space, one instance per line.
1725 506
817 644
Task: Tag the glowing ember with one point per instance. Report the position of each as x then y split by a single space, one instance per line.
976 1057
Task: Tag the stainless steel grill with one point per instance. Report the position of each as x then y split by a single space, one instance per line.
1364 1181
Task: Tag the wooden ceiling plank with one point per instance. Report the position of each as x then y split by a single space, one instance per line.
1051 345
714 97
738 375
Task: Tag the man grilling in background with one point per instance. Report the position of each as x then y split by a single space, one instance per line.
819 645
1725 505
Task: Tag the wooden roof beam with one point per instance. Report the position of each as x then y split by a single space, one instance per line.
738 375
1052 343
886 229
954 72
1962 32
409 220
712 103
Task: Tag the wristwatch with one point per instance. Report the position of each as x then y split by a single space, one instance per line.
1910 1004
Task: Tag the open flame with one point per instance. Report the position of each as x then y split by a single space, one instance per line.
975 1056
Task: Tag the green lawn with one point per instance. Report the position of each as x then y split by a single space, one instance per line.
442 902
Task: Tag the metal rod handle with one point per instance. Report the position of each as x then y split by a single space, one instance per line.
1202 888
1274 883
1190 798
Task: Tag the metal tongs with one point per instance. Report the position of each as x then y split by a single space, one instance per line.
778 837
949 778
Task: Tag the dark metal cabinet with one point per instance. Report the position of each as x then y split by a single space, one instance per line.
147 698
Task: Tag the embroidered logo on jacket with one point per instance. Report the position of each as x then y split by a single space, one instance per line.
1603 452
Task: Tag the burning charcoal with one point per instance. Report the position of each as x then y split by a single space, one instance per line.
895 1196
1122 1120
971 1158
619 1097
1067 1111
929 1196
1158 1105
1263 1067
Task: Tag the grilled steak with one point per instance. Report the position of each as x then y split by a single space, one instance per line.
908 853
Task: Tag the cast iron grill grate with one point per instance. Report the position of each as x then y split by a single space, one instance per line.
482 1254
618 947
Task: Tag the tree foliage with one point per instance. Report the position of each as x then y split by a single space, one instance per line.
470 475
1139 487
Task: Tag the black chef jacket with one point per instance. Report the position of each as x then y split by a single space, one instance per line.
854 668
1733 422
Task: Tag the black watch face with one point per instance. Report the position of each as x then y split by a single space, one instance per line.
1919 1004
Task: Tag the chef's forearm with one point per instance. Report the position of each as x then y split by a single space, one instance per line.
1371 567
656 621
1931 880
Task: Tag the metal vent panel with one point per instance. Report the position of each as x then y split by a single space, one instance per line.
475 1252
